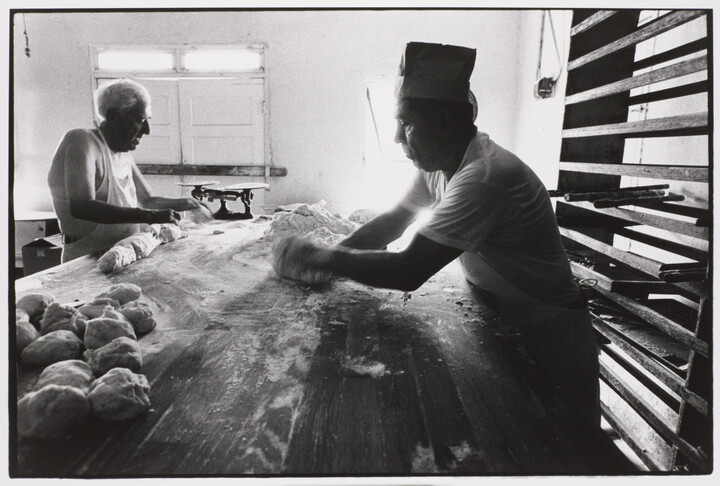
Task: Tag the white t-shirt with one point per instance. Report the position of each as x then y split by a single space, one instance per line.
496 209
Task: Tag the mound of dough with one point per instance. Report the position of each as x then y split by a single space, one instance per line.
116 258
123 293
72 372
53 412
324 236
303 219
122 352
119 394
25 333
51 348
142 243
35 305
94 309
100 331
140 316
59 317
362 216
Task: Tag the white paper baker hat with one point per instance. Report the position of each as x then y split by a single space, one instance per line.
435 71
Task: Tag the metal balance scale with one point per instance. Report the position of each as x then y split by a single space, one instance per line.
242 191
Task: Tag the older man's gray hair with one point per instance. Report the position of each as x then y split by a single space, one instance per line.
121 95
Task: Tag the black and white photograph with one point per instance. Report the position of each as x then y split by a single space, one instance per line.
414 244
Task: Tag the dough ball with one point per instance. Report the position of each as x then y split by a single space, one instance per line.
94 309
122 352
25 333
102 330
111 313
21 315
116 258
51 348
72 372
35 305
142 243
59 317
123 293
140 316
81 324
52 412
119 394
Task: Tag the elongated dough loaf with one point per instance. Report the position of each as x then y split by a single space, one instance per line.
116 258
143 243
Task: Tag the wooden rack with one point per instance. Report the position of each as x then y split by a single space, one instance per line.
652 307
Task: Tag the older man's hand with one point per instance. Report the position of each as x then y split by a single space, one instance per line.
199 212
300 259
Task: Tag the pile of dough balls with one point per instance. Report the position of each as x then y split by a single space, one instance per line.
91 360
138 246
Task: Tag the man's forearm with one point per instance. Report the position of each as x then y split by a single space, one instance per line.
104 213
379 232
160 202
372 267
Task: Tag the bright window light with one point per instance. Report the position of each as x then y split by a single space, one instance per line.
387 171
222 60
135 61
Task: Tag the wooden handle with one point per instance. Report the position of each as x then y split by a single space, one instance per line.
636 201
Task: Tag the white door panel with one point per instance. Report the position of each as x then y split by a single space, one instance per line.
162 146
222 122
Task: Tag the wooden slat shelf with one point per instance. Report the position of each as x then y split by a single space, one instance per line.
646 265
649 303
625 287
645 409
641 263
671 246
668 224
669 93
672 401
212 170
663 74
628 437
679 125
591 21
689 173
668 326
663 24
662 373
692 47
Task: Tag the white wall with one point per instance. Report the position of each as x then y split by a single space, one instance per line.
539 123
317 65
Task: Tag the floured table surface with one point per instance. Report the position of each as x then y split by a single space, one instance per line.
251 374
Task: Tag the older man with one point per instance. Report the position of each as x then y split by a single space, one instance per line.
98 192
488 209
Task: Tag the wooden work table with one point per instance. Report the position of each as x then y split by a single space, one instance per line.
251 374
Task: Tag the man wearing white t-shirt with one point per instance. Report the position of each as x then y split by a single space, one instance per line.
488 209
